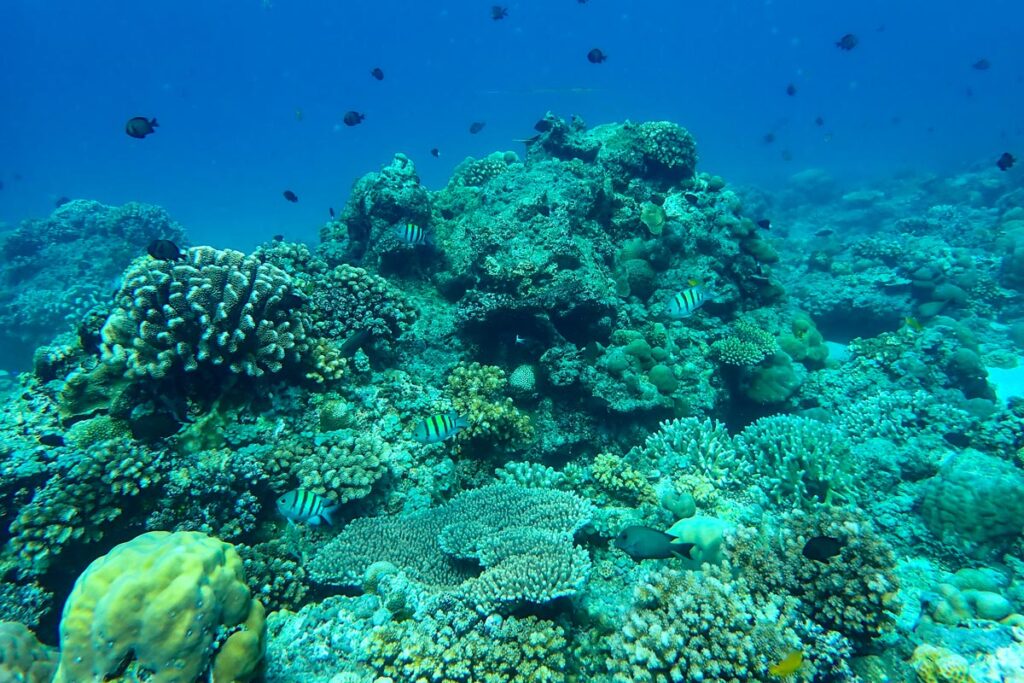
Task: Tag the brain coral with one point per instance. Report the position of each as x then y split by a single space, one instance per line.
163 607
976 501
214 308
522 538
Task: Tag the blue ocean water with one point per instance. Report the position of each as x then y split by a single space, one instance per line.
225 80
279 406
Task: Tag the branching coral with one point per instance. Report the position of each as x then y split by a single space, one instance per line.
746 345
798 462
216 308
477 392
697 626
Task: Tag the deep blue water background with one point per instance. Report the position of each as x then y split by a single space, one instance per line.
225 78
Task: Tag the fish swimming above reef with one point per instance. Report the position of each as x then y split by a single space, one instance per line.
824 232
764 224
982 65
139 127
645 543
791 90
819 121
164 250
290 196
61 201
353 118
1006 161
437 428
377 73
410 233
822 548
686 302
788 665
300 505
596 56
847 42
498 12
435 152
476 127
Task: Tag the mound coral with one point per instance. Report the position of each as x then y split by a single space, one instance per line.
23 659
165 608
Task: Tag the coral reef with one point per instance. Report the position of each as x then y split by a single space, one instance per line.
23 659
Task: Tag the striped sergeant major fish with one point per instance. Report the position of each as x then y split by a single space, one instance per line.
687 301
439 427
410 233
300 505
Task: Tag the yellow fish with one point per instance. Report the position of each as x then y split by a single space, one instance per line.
692 282
913 324
788 665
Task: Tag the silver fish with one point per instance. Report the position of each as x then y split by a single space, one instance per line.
300 505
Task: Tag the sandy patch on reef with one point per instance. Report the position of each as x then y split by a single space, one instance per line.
1008 382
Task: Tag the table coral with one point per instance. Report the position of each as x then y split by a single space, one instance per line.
521 537
167 607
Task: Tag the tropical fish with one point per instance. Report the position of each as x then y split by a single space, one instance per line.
645 543
498 12
791 90
139 127
439 427
164 250
291 196
788 665
476 127
596 56
435 152
298 114
687 301
982 65
913 324
410 233
353 118
61 201
822 548
764 224
847 42
1006 161
377 73
300 505
819 121
824 232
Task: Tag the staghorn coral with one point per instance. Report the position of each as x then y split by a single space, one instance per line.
350 304
459 646
477 393
797 462
87 490
23 659
690 445
622 481
697 626
217 308
521 537
168 607
853 594
344 466
529 475
746 345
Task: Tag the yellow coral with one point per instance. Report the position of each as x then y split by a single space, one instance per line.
622 481
939 665
161 602
22 657
477 393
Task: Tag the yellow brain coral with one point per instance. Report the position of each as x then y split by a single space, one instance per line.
165 608
939 665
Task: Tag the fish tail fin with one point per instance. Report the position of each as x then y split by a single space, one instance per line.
683 550
326 513
154 123
461 421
